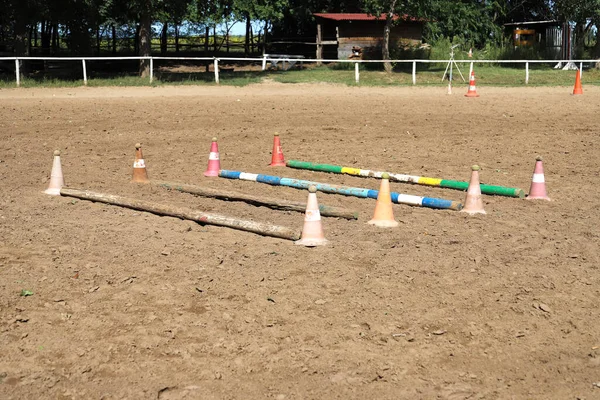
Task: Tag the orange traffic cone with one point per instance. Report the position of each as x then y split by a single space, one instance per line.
577 89
472 89
140 175
473 202
537 191
57 180
277 155
214 163
384 215
312 232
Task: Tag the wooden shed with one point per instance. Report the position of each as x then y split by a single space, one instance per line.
339 33
553 37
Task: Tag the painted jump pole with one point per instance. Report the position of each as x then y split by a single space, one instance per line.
185 213
259 201
419 180
398 198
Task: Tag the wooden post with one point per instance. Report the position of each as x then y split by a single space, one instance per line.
163 39
206 39
98 39
265 37
215 39
247 37
319 45
276 204
185 213
114 39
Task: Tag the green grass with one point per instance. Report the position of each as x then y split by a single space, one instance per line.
484 74
227 79
427 75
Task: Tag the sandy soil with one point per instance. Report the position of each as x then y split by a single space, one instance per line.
127 304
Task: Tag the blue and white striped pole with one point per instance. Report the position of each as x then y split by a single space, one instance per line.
398 198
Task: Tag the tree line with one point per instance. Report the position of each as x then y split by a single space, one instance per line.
80 23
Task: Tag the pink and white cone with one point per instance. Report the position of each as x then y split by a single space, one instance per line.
537 190
473 202
214 162
57 180
312 232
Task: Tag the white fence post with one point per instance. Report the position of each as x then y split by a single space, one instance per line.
414 73
84 71
470 68
17 72
580 71
216 64
356 73
151 69
526 73
264 62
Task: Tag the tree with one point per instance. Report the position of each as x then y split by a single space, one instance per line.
414 8
584 13
145 12
523 10
472 22
297 17
263 10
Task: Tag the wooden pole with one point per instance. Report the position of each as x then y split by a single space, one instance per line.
276 204
319 45
185 213
206 38
265 37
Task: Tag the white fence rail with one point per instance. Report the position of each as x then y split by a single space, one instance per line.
263 61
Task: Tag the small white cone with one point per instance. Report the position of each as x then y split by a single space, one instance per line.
57 180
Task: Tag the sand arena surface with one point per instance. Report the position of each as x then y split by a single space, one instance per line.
127 304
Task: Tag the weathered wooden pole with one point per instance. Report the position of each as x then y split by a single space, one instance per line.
185 213
276 204
319 45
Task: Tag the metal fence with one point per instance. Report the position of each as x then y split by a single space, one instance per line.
274 59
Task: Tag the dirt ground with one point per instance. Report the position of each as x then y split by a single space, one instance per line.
130 305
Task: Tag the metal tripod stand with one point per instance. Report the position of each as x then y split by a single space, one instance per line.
451 62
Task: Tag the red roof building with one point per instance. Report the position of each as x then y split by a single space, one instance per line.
346 31
362 17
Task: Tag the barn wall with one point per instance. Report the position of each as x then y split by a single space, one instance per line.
369 35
